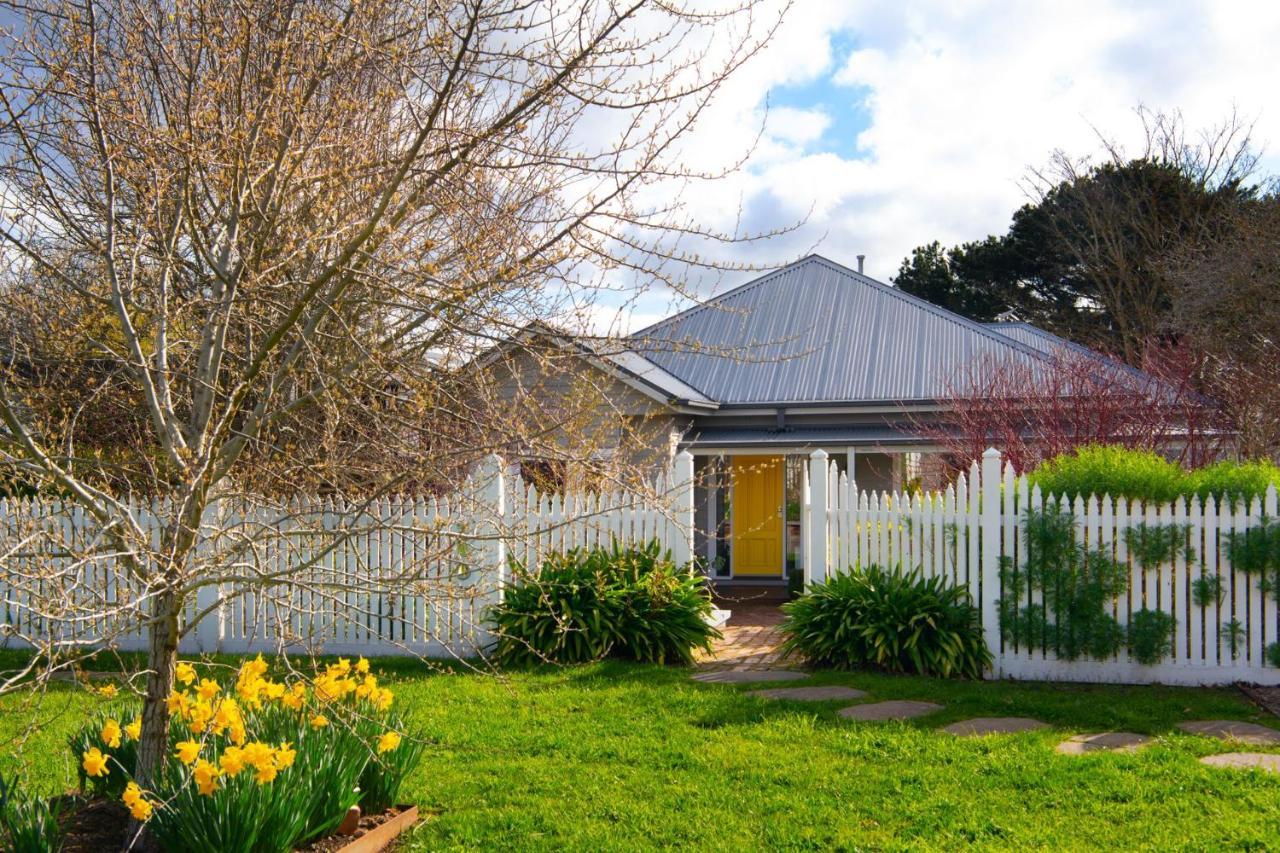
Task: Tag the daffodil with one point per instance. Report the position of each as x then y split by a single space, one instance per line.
111 733
362 666
208 689
295 697
108 691
178 703
206 776
95 763
132 793
319 721
186 673
285 754
259 754
187 750
134 730
388 742
232 761
141 810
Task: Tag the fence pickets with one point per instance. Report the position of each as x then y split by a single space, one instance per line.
967 531
413 574
401 574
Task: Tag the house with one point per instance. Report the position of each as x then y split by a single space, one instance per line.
813 355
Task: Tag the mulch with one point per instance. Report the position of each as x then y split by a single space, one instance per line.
92 825
1266 698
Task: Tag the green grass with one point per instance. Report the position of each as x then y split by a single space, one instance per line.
630 756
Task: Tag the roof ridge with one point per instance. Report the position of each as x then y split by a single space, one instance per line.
936 310
741 288
861 278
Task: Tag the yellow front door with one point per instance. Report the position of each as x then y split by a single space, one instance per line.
755 531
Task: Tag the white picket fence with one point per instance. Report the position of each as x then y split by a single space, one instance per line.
407 575
398 575
965 532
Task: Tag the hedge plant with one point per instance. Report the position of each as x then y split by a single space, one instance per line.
881 619
1147 476
587 604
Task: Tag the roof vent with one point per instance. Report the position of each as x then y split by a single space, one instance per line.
861 260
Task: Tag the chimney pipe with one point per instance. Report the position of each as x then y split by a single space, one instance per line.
861 260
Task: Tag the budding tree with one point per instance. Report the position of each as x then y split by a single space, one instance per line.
1034 409
248 246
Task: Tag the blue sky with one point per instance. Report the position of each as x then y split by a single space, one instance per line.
893 124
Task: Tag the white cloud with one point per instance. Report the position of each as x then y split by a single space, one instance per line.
796 126
961 99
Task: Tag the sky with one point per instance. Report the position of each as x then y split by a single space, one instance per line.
888 125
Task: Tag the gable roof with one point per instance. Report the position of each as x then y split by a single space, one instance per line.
818 332
629 367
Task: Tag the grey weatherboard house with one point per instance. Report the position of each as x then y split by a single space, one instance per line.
813 355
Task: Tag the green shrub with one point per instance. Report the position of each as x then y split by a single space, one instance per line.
901 622
28 823
628 602
1207 590
1111 470
1150 636
1234 481
1076 584
1147 476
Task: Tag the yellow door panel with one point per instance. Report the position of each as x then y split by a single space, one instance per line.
755 531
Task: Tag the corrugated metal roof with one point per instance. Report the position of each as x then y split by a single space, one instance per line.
1036 338
815 331
642 368
798 436
1050 344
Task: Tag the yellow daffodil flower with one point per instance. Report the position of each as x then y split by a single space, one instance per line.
186 673
388 742
95 763
206 777
187 750
134 730
319 721
108 691
111 733
232 761
285 754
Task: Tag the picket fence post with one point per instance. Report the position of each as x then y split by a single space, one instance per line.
989 591
209 628
818 501
682 508
490 509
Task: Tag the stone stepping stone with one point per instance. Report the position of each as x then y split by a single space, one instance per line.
1104 742
748 676
809 694
1233 730
1244 761
982 726
898 709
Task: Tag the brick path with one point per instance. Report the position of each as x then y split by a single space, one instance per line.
751 640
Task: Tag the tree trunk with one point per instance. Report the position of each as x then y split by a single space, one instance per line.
162 658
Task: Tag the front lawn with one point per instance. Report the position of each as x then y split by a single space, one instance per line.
629 756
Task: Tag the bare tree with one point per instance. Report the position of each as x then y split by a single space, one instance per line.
1227 305
257 236
1114 221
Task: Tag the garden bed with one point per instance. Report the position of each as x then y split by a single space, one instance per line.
92 825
